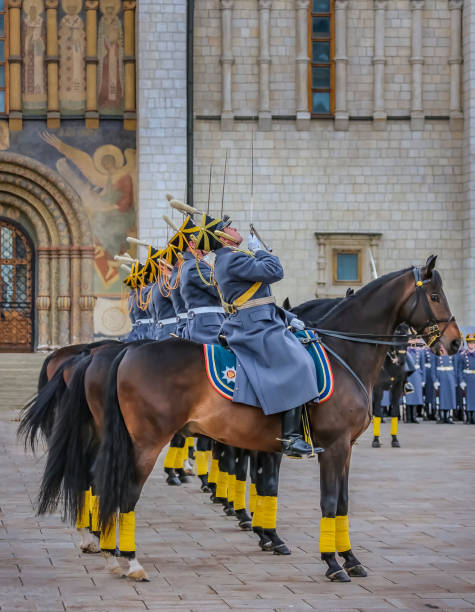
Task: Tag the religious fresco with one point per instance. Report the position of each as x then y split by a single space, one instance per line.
34 49
72 58
110 49
104 177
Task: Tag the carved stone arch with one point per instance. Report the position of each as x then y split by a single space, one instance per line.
64 247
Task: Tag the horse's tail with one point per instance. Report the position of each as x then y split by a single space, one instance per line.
72 449
38 414
114 473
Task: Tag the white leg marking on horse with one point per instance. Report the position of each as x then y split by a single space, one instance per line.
112 565
136 571
89 542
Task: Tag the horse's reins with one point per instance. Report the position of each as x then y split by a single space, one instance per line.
433 333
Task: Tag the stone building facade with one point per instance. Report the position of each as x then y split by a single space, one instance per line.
388 175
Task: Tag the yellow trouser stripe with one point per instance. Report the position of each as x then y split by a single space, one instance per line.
268 515
342 533
213 471
94 513
240 495
201 462
258 511
222 484
327 534
252 498
127 532
231 487
181 455
82 520
394 421
169 462
108 539
376 426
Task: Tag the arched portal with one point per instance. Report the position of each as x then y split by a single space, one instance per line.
17 279
37 198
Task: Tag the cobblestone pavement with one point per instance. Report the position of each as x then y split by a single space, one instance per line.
412 521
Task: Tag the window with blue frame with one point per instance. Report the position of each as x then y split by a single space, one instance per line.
321 57
3 56
347 267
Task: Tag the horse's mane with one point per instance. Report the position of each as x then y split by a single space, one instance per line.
370 287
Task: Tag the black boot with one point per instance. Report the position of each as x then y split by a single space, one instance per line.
472 417
293 445
205 485
412 414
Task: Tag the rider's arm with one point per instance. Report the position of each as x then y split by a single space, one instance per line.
264 267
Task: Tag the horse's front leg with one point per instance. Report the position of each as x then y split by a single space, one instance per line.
332 468
239 499
265 513
342 529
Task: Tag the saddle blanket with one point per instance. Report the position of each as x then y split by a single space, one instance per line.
221 367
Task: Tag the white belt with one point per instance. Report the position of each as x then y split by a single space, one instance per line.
182 315
205 310
143 322
417 367
445 369
469 371
164 322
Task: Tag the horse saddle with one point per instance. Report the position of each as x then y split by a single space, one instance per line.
221 366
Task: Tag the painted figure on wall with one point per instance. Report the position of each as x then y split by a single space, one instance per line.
106 185
72 53
34 47
110 49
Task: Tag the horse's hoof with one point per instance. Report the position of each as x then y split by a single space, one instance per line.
376 443
245 525
228 511
139 576
173 481
338 576
118 571
395 443
282 549
357 571
206 489
91 549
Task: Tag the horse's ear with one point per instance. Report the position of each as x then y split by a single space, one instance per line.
349 292
286 304
430 265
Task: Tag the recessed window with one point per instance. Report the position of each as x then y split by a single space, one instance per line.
347 266
321 56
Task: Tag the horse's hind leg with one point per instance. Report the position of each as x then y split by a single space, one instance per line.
332 468
239 499
89 541
265 514
342 536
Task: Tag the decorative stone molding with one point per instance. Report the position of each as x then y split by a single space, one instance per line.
227 61
14 60
130 116
455 63
341 61
264 61
43 302
379 61
301 64
92 114
417 61
52 64
87 302
64 302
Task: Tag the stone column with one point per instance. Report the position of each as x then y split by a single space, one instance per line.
301 64
87 299
130 115
43 300
455 62
227 61
75 322
92 114
14 61
417 61
379 61
264 61
341 60
63 300
52 61
53 292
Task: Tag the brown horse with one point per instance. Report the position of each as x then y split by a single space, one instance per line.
160 388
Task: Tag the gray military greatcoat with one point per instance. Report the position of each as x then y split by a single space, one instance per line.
142 326
274 371
178 303
200 327
163 313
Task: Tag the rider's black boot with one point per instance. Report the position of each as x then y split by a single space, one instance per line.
293 445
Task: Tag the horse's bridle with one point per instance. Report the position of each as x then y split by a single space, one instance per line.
434 333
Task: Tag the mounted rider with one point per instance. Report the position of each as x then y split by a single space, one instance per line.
274 371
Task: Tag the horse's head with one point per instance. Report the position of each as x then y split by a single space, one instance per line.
428 311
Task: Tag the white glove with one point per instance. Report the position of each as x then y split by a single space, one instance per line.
436 384
297 324
253 243
463 385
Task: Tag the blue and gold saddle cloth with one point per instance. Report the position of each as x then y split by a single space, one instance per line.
221 367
